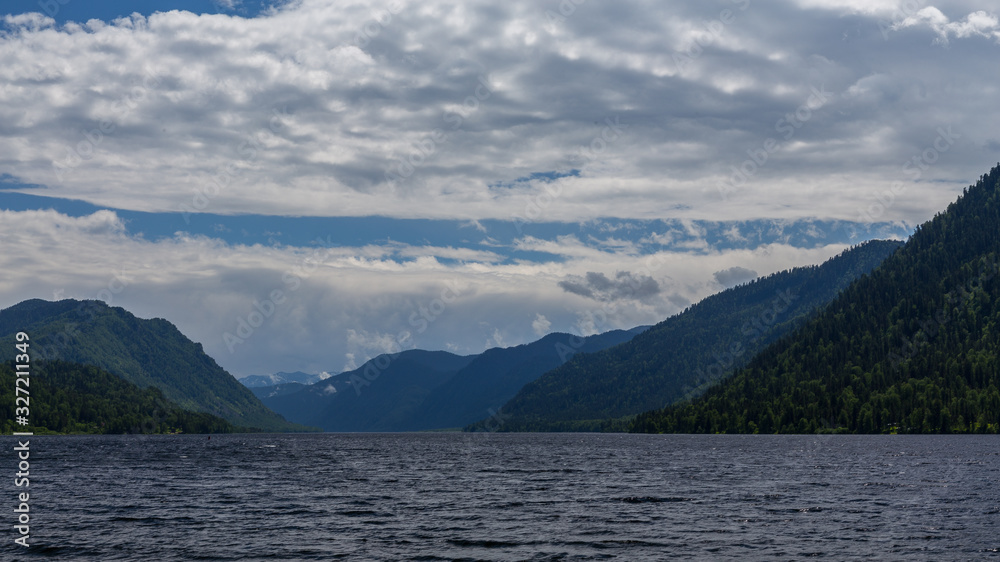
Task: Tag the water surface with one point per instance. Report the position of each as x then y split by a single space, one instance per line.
509 497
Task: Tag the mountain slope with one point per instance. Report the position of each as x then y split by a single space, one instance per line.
685 354
495 376
420 390
379 396
73 398
911 348
263 392
146 353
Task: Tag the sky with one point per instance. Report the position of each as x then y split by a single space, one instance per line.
305 184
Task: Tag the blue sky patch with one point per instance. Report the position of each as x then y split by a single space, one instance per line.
82 10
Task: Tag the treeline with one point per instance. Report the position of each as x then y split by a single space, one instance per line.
912 348
72 398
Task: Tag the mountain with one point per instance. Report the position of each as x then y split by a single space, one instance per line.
421 390
495 376
379 396
263 392
912 348
686 354
257 381
146 353
72 398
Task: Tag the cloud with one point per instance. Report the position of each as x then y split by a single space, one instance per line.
541 325
625 286
333 109
496 339
229 4
734 276
980 23
335 307
475 112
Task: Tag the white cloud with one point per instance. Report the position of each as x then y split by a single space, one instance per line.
541 325
496 339
338 307
301 111
980 23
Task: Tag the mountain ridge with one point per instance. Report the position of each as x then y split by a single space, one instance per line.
144 352
912 348
686 353
428 394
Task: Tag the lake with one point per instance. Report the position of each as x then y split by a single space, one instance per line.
449 496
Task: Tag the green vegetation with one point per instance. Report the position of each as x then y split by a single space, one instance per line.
146 353
686 354
72 398
912 348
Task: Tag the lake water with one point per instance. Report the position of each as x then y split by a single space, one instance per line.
508 497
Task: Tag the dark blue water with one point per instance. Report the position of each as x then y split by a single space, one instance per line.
507 497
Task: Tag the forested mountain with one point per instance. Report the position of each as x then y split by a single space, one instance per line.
72 398
420 390
494 377
146 353
911 348
381 395
686 354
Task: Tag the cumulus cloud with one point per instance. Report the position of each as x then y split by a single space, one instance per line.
734 276
482 110
980 23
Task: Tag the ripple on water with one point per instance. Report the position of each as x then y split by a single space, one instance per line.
513 497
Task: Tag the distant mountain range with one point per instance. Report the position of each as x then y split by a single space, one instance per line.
912 348
146 353
257 381
422 390
686 354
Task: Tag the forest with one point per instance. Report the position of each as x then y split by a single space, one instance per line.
911 348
